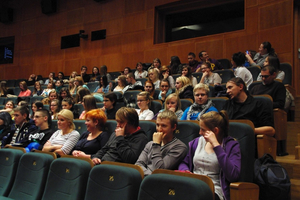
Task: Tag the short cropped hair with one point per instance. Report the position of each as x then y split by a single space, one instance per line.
167 114
128 115
97 115
201 86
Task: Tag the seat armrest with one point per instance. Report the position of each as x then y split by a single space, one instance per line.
244 190
266 144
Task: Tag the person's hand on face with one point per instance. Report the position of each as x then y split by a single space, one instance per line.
120 129
157 137
210 137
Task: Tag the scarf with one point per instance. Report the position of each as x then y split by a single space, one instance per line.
197 108
167 94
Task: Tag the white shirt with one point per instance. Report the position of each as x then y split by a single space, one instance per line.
145 115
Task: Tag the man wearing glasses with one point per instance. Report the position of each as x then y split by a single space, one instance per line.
271 87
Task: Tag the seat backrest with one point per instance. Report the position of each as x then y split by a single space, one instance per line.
114 75
9 159
14 99
11 83
31 176
254 83
2 100
36 98
54 125
67 179
131 94
172 187
225 63
255 70
78 107
185 103
92 85
114 181
156 106
142 80
219 102
287 68
149 127
187 130
198 76
243 132
119 94
225 74
80 125
110 126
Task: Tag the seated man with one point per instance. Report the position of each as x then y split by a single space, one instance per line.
271 87
204 57
128 141
84 75
132 83
24 126
244 106
193 63
38 138
165 151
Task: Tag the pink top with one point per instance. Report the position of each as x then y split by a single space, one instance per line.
82 116
25 93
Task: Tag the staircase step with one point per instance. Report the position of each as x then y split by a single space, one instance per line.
295 189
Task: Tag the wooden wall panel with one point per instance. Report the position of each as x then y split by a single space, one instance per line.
134 23
55 37
250 3
181 50
28 42
41 55
26 58
113 27
42 39
242 43
42 24
130 60
112 61
59 21
132 6
29 27
56 53
92 14
72 53
251 19
160 53
275 15
112 45
214 48
111 10
75 17
133 42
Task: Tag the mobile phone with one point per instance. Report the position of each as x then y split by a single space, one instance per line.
247 52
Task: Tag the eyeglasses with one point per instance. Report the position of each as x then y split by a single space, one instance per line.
53 105
265 76
106 100
163 86
140 100
203 68
202 95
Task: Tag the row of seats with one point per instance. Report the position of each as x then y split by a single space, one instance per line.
37 175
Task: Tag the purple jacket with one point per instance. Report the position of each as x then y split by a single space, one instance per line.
229 157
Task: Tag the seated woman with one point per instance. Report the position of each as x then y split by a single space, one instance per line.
201 105
4 91
144 102
95 75
109 101
55 107
103 85
68 103
72 86
9 107
187 72
165 90
64 93
214 153
156 63
103 72
237 61
37 105
154 77
89 103
50 87
25 92
53 95
184 88
208 76
50 79
165 74
139 72
91 141
172 103
5 124
37 91
273 61
149 87
121 80
175 65
60 76
73 75
78 82
63 140
59 85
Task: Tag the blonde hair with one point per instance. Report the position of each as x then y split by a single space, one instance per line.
201 86
184 80
68 115
167 114
147 96
178 101
156 72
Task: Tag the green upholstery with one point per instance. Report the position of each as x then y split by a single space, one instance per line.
187 131
9 159
80 125
225 74
110 126
149 127
185 103
172 187
14 99
92 86
54 125
156 106
67 179
78 107
31 176
255 70
142 80
219 102
36 98
131 94
244 134
225 63
287 68
198 76
2 100
112 182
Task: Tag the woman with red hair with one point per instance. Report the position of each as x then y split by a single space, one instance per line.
91 141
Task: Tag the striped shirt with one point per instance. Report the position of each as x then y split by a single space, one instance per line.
68 140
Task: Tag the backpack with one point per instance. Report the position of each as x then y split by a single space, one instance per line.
272 179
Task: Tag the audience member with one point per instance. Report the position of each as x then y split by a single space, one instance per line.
208 76
121 83
241 105
5 125
64 93
175 65
37 105
78 82
154 77
51 78
139 72
165 74
60 76
59 85
271 87
89 103
193 63
68 103
165 151
149 87
144 101
165 90
103 72
237 61
33 78
126 71
133 84
85 77
95 74
204 57
25 92
91 141
50 87
103 85
128 141
156 63
273 61
110 101
184 88
265 49
23 127
4 91
73 75
201 105
37 91
72 86
53 95
63 140
38 138
214 154
9 107
186 71
55 108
